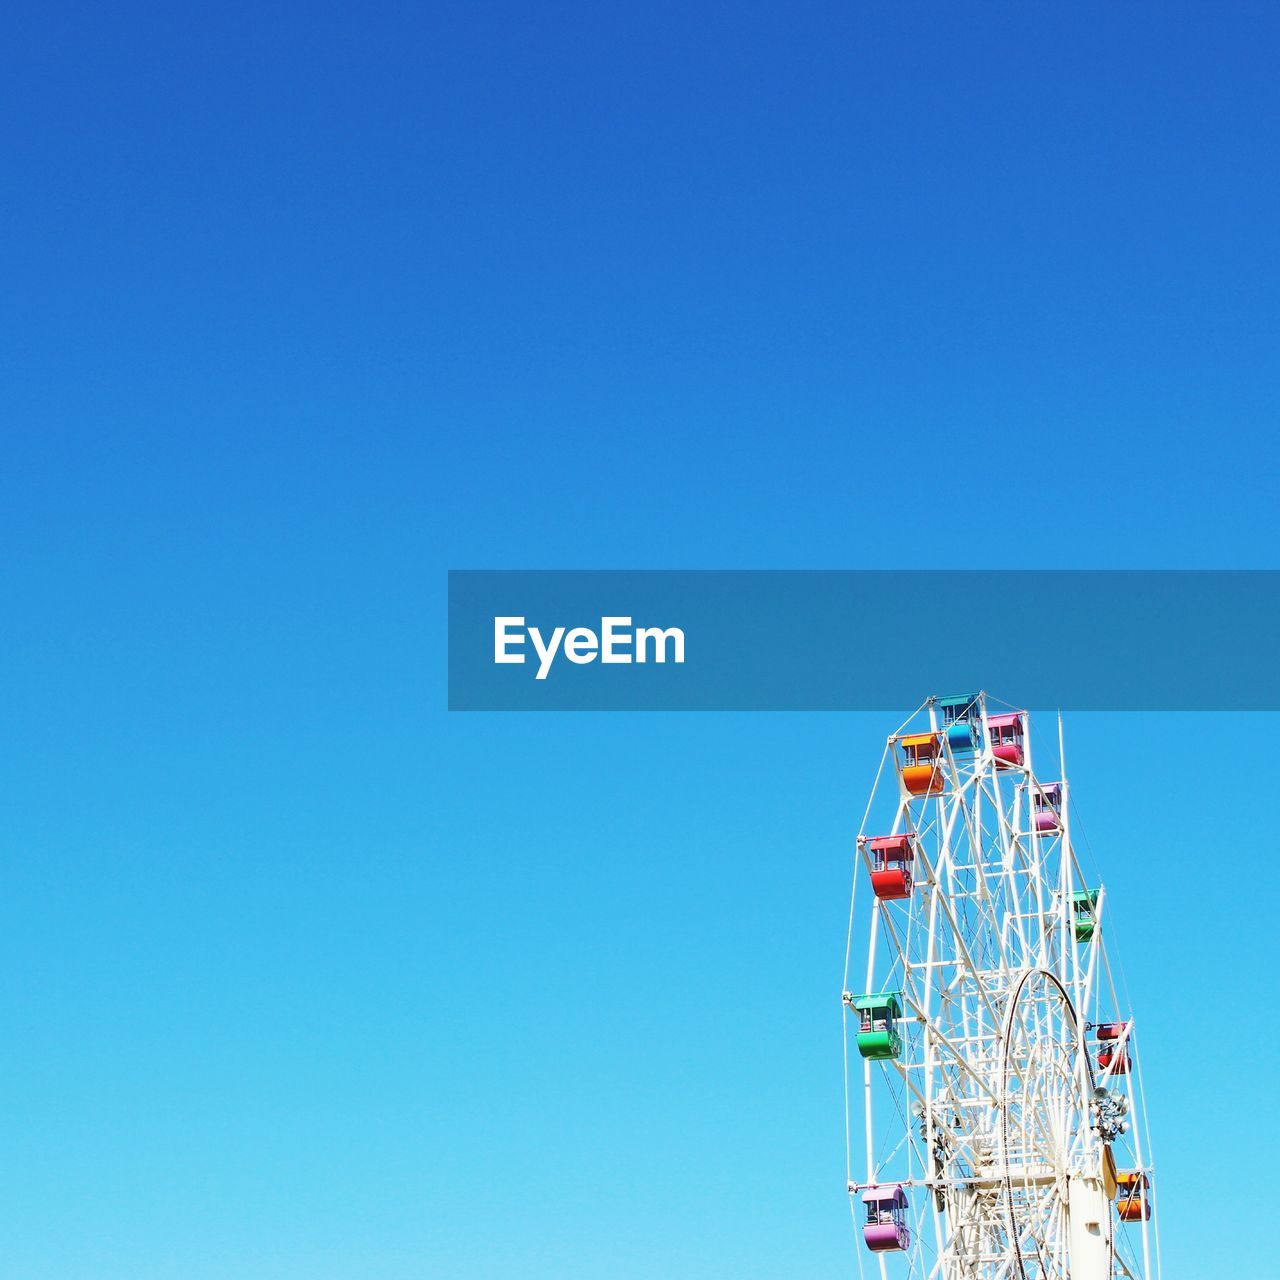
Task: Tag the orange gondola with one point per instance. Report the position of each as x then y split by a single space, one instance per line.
921 765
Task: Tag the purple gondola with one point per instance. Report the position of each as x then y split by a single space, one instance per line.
1048 807
885 1228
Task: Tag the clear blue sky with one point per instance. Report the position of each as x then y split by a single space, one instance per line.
303 977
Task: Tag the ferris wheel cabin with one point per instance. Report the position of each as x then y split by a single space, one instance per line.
920 766
1084 907
1048 807
885 1228
1133 1204
891 860
961 717
1007 734
878 1016
1113 1056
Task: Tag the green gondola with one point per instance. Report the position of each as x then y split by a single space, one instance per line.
1084 903
877 1024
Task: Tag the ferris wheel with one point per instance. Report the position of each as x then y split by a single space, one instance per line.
992 1087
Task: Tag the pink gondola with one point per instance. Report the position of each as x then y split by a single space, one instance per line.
1006 733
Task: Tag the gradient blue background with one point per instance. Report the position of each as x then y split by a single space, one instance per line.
303 977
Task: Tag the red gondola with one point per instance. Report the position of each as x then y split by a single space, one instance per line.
891 863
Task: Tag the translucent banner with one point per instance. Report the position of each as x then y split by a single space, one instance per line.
641 640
